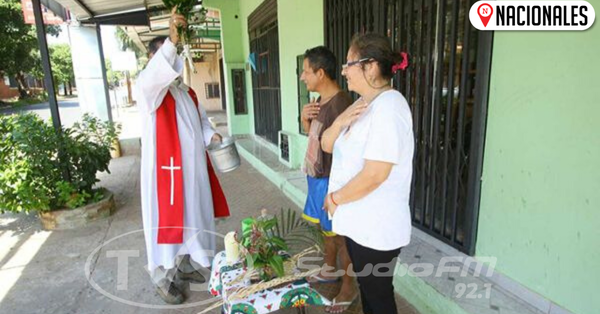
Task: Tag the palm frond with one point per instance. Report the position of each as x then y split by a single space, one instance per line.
297 232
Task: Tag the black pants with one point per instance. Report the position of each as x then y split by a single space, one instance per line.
375 281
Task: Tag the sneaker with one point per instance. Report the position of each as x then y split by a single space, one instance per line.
169 293
194 276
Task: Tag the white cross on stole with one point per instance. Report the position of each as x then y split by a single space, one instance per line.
172 169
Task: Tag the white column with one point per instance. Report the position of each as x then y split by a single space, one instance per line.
87 65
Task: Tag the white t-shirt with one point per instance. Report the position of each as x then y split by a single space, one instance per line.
381 219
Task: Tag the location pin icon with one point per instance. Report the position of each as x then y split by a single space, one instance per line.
485 13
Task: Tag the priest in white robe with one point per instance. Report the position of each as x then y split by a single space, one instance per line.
177 197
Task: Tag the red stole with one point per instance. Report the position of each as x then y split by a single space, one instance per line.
169 175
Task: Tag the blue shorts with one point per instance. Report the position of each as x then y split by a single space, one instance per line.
313 209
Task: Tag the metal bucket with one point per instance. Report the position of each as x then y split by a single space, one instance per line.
224 155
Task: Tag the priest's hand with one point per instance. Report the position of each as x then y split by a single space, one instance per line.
176 21
216 138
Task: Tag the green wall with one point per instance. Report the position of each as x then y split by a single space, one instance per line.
300 27
246 8
234 39
296 34
236 48
540 203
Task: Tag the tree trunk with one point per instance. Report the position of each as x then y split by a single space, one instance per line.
70 89
129 100
21 85
65 88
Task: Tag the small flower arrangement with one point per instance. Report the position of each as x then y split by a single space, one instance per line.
266 239
263 247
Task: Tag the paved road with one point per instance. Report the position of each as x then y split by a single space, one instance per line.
69 111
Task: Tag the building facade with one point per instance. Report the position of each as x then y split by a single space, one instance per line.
507 143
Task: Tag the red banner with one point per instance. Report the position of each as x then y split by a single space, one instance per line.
49 17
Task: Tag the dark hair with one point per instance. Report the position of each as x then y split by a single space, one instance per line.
322 58
378 48
155 44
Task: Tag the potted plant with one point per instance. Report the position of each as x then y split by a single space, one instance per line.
267 239
45 171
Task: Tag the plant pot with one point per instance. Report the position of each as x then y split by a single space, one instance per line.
115 151
78 217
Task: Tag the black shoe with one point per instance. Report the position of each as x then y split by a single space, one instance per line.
195 276
169 293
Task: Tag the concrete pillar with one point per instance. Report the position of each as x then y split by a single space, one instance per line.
90 74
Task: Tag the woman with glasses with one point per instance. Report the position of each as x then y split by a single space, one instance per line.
372 144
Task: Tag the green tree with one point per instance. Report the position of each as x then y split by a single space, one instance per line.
126 43
62 64
18 41
36 70
113 77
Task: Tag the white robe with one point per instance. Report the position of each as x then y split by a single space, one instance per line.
195 134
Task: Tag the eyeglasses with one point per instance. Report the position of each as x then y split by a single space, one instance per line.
351 63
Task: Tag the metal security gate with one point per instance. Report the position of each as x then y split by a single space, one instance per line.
446 86
264 47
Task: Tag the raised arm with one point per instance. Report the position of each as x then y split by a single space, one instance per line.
163 67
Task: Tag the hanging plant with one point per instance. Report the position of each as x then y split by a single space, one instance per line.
185 8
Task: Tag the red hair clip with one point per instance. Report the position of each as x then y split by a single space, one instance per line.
402 65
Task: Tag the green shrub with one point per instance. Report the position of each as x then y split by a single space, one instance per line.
31 172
